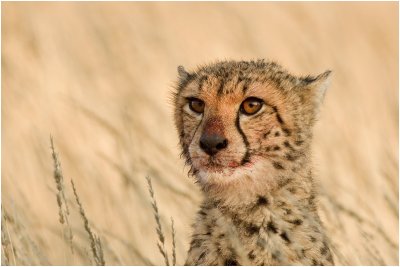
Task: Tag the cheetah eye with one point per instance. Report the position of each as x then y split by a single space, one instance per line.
196 105
251 106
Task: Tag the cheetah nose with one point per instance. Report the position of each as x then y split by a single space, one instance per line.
212 143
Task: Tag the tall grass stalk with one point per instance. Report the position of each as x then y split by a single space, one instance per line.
95 243
6 239
62 204
173 243
161 238
5 258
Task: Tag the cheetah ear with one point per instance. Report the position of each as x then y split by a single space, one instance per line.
182 73
317 85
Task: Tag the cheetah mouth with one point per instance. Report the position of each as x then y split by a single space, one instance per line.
214 167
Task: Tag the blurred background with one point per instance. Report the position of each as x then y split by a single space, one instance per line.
98 77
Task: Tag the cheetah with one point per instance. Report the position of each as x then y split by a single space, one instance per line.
245 129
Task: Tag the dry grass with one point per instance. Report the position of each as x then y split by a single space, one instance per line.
173 242
98 76
63 210
7 247
160 233
95 243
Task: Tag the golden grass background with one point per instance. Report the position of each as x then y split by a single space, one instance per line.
98 76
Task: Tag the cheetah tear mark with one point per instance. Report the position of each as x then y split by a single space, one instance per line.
246 157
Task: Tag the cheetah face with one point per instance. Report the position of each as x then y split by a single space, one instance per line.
238 117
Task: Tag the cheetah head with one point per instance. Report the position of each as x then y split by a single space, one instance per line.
241 120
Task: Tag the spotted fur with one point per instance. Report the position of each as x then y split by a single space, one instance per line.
259 203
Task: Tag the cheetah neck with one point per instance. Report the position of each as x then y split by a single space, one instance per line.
272 227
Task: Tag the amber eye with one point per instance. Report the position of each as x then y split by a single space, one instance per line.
251 105
196 105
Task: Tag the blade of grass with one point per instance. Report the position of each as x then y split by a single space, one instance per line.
95 243
173 243
63 209
161 238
